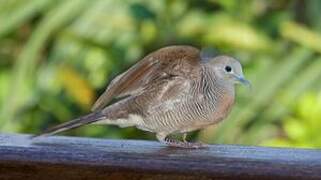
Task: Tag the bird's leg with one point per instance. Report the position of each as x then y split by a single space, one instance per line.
175 143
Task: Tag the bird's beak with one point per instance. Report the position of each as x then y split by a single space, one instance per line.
243 81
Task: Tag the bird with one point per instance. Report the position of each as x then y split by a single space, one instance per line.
175 89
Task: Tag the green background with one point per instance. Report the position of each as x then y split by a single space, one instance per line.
57 57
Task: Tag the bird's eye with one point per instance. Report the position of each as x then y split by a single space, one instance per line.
228 68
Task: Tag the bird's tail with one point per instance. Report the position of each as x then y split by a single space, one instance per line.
87 119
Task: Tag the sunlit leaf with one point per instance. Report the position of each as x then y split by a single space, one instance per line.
301 35
224 31
76 86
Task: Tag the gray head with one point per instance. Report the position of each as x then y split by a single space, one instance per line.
228 69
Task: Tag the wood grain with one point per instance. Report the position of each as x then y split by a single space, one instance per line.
88 158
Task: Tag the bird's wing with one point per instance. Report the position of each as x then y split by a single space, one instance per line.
166 62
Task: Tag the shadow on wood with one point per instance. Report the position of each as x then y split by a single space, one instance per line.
88 158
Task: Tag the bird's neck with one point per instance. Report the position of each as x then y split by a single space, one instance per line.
215 87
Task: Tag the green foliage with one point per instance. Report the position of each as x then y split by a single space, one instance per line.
58 56
302 127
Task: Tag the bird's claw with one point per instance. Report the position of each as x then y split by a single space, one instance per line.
186 145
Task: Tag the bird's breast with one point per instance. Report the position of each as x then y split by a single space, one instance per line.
222 107
215 110
189 111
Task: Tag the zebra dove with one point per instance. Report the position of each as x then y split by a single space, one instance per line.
172 90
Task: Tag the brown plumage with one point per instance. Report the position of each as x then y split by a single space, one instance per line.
158 65
171 90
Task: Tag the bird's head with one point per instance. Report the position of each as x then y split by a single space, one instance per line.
229 69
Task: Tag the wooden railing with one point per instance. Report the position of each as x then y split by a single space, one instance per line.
88 158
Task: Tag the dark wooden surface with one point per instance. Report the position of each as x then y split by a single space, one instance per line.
88 158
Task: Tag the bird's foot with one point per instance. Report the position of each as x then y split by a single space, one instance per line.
185 144
162 137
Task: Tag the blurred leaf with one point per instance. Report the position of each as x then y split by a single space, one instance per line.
301 35
302 128
19 12
140 11
148 31
313 13
193 24
26 62
294 129
278 143
99 67
76 86
224 31
229 5
118 30
4 85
